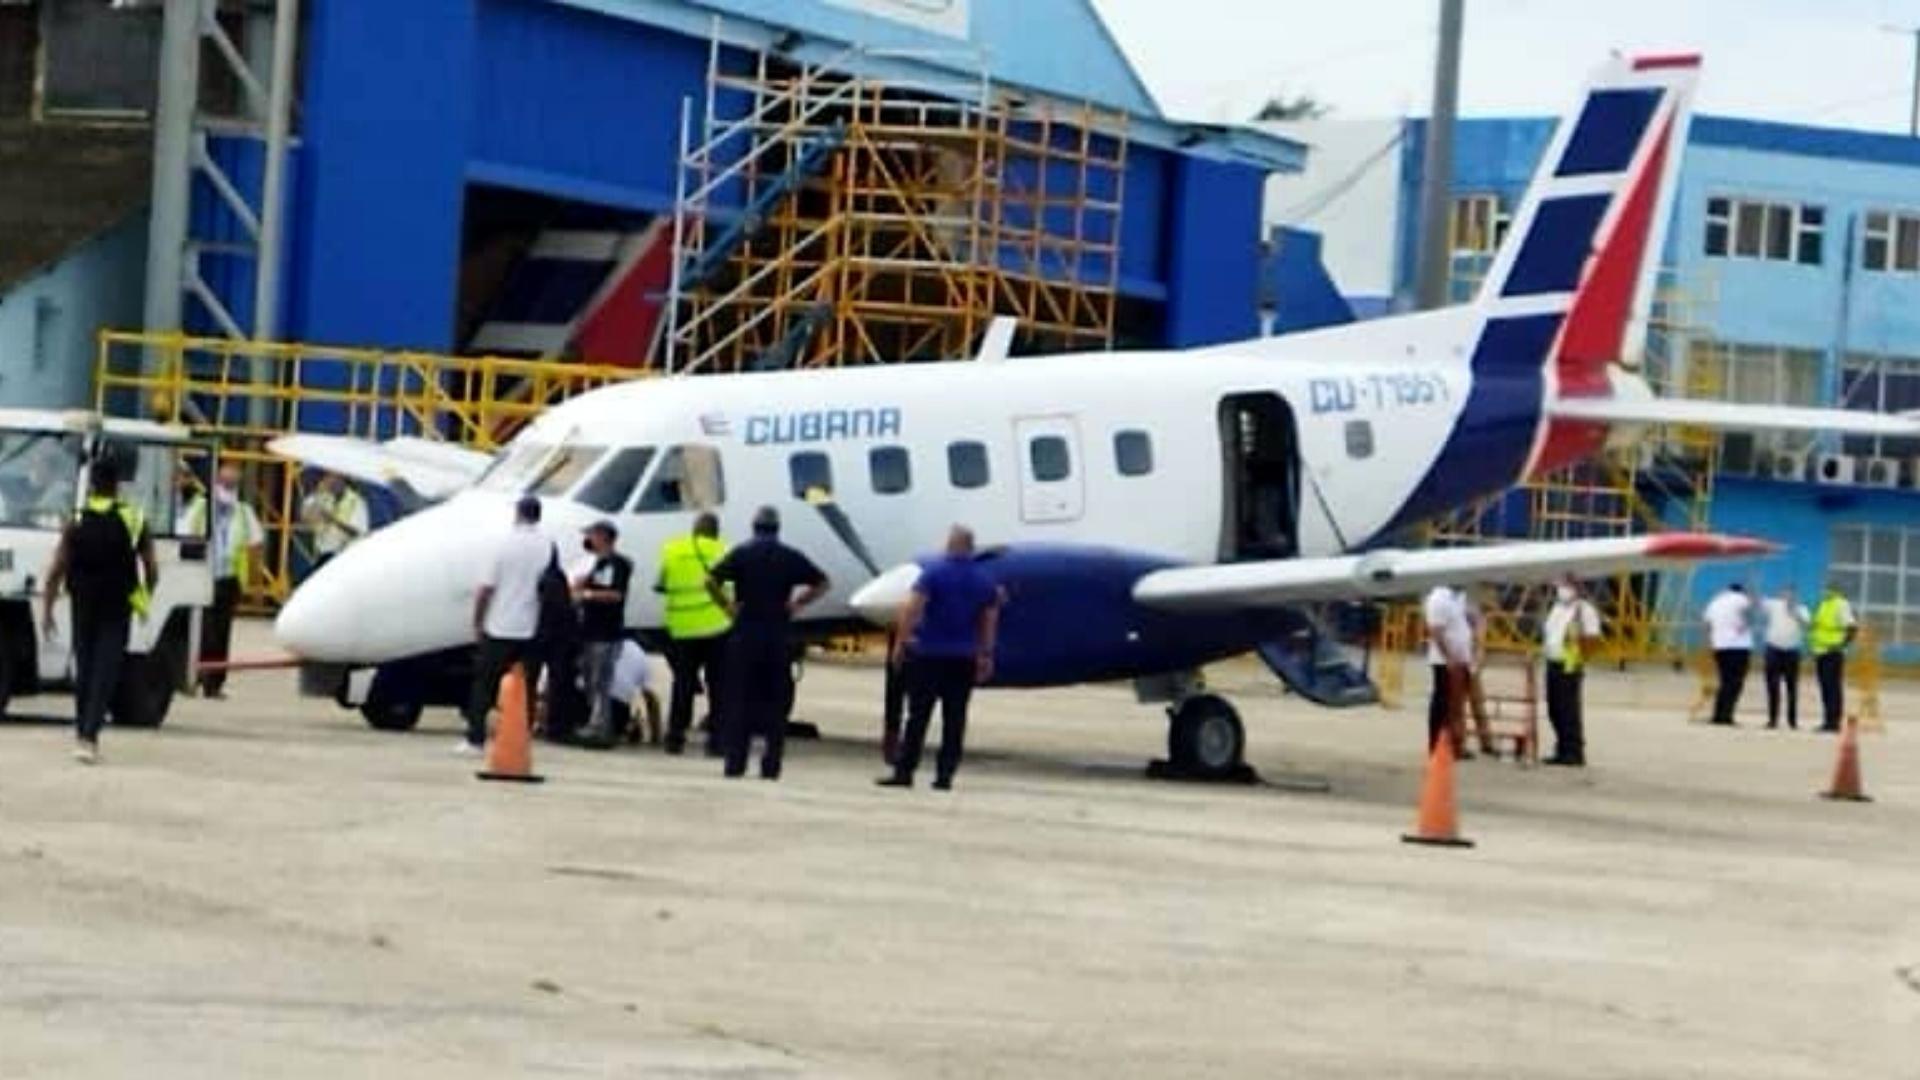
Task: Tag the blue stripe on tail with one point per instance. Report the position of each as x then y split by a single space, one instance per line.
1609 131
1487 450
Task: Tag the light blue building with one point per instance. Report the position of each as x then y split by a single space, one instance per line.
1795 263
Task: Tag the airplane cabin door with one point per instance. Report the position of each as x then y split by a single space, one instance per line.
1052 484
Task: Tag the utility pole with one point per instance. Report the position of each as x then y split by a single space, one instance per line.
1436 181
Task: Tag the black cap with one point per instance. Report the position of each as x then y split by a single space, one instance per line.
528 508
604 525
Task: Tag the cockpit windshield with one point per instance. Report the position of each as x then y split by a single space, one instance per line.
513 468
39 478
539 468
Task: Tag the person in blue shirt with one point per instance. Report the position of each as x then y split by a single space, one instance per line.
944 646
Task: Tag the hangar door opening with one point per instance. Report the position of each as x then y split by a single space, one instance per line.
1260 453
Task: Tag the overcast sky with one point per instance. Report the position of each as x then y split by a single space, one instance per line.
1824 62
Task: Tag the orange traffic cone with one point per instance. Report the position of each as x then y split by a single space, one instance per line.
1846 767
510 751
1438 823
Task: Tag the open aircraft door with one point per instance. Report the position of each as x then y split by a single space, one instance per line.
1052 485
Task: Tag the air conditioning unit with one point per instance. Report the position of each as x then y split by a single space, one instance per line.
1835 468
1788 466
1883 472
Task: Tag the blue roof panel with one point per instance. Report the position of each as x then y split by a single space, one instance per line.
1060 47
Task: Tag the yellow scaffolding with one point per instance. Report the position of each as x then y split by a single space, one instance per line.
889 221
243 393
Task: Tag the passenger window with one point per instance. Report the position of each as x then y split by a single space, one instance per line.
613 485
891 471
565 468
810 470
688 478
1359 439
1049 458
1133 453
967 464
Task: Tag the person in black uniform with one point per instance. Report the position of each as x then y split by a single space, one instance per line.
98 561
764 574
601 592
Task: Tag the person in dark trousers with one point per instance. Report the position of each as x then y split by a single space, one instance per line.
765 575
1450 656
1786 632
234 545
601 593
943 646
104 561
506 616
697 628
1731 634
1568 636
1834 628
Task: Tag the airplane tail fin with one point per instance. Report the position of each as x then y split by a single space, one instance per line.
1586 242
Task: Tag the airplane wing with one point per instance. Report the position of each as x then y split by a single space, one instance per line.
1730 415
418 470
1395 572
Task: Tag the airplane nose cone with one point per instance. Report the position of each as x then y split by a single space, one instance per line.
402 591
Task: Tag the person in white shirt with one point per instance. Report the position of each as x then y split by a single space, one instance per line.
506 615
1786 632
235 543
336 516
1450 655
633 679
1568 637
1730 632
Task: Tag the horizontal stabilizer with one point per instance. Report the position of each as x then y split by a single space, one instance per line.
414 468
1726 415
1393 572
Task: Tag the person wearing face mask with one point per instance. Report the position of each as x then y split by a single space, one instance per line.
600 590
1567 637
234 539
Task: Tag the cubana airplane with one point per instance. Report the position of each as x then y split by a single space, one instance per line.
1148 512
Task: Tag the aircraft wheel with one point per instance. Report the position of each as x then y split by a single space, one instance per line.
391 714
1206 738
145 692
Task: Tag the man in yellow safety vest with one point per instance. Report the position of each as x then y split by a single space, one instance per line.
696 629
336 515
1834 628
234 539
105 564
1569 633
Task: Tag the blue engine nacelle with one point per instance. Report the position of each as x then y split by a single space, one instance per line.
1071 617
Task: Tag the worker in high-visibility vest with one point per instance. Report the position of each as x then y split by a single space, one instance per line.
1568 636
1833 629
234 541
105 563
336 516
696 629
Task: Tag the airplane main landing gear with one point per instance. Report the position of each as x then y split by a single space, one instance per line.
1205 741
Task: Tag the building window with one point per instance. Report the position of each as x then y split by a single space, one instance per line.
1884 384
1133 453
1048 456
1878 568
1359 439
1774 231
967 465
1758 375
1890 241
1478 224
889 469
810 471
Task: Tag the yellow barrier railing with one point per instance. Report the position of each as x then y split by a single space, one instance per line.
243 393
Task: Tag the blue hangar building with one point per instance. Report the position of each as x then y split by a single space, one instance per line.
503 175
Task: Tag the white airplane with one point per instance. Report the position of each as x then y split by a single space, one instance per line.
1149 512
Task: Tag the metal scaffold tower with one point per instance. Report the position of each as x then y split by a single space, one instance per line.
1663 481
829 217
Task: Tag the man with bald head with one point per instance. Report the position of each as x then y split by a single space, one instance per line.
943 646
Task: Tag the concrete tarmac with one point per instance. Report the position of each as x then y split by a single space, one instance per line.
267 888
